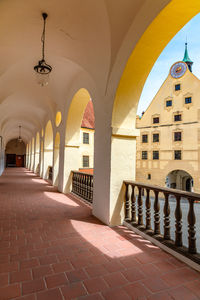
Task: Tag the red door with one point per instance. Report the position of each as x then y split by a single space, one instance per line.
19 160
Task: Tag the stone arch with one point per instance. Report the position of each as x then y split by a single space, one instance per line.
48 151
56 159
179 179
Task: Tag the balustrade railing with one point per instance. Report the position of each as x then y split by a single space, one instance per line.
142 210
82 185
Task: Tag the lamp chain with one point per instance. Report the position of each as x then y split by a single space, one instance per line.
43 38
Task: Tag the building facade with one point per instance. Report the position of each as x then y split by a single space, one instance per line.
168 148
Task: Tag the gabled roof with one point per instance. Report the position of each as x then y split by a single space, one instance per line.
88 117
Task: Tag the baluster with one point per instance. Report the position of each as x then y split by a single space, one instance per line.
127 206
178 216
133 209
76 181
140 208
73 178
87 188
89 183
148 211
191 228
81 186
156 214
84 186
166 211
91 186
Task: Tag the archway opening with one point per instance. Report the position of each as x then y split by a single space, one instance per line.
48 151
15 153
79 137
180 179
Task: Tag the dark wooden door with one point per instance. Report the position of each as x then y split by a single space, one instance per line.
19 160
11 160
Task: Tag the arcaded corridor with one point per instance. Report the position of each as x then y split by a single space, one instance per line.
51 247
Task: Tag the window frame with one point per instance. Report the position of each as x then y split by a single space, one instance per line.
144 155
175 87
83 161
156 134
175 115
176 134
86 141
143 140
155 157
175 154
188 98
166 103
156 118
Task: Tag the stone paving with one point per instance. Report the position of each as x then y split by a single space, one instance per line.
52 248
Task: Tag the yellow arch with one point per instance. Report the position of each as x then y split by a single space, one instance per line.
48 138
170 20
75 115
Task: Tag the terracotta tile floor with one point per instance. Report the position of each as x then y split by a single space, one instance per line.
51 247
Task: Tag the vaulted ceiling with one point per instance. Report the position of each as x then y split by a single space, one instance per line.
82 37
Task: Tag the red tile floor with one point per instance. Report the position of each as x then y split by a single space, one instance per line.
52 248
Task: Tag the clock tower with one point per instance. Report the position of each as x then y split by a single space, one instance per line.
186 59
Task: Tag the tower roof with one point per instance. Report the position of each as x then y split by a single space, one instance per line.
186 55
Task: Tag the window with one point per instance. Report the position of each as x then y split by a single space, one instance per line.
177 136
145 138
85 161
177 118
168 103
149 176
177 87
177 154
155 154
85 138
144 155
155 137
155 120
188 100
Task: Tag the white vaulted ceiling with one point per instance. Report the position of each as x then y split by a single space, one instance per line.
82 36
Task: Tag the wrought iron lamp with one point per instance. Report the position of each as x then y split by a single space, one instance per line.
20 138
42 69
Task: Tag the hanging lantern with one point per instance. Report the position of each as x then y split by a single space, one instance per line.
42 69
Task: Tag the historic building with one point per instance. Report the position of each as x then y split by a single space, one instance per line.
168 148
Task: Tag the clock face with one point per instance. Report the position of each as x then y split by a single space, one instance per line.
178 69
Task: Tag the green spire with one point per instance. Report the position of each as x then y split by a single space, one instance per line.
186 58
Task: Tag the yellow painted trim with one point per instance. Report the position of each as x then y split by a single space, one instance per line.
163 28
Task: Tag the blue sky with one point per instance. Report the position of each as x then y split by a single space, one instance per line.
173 52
